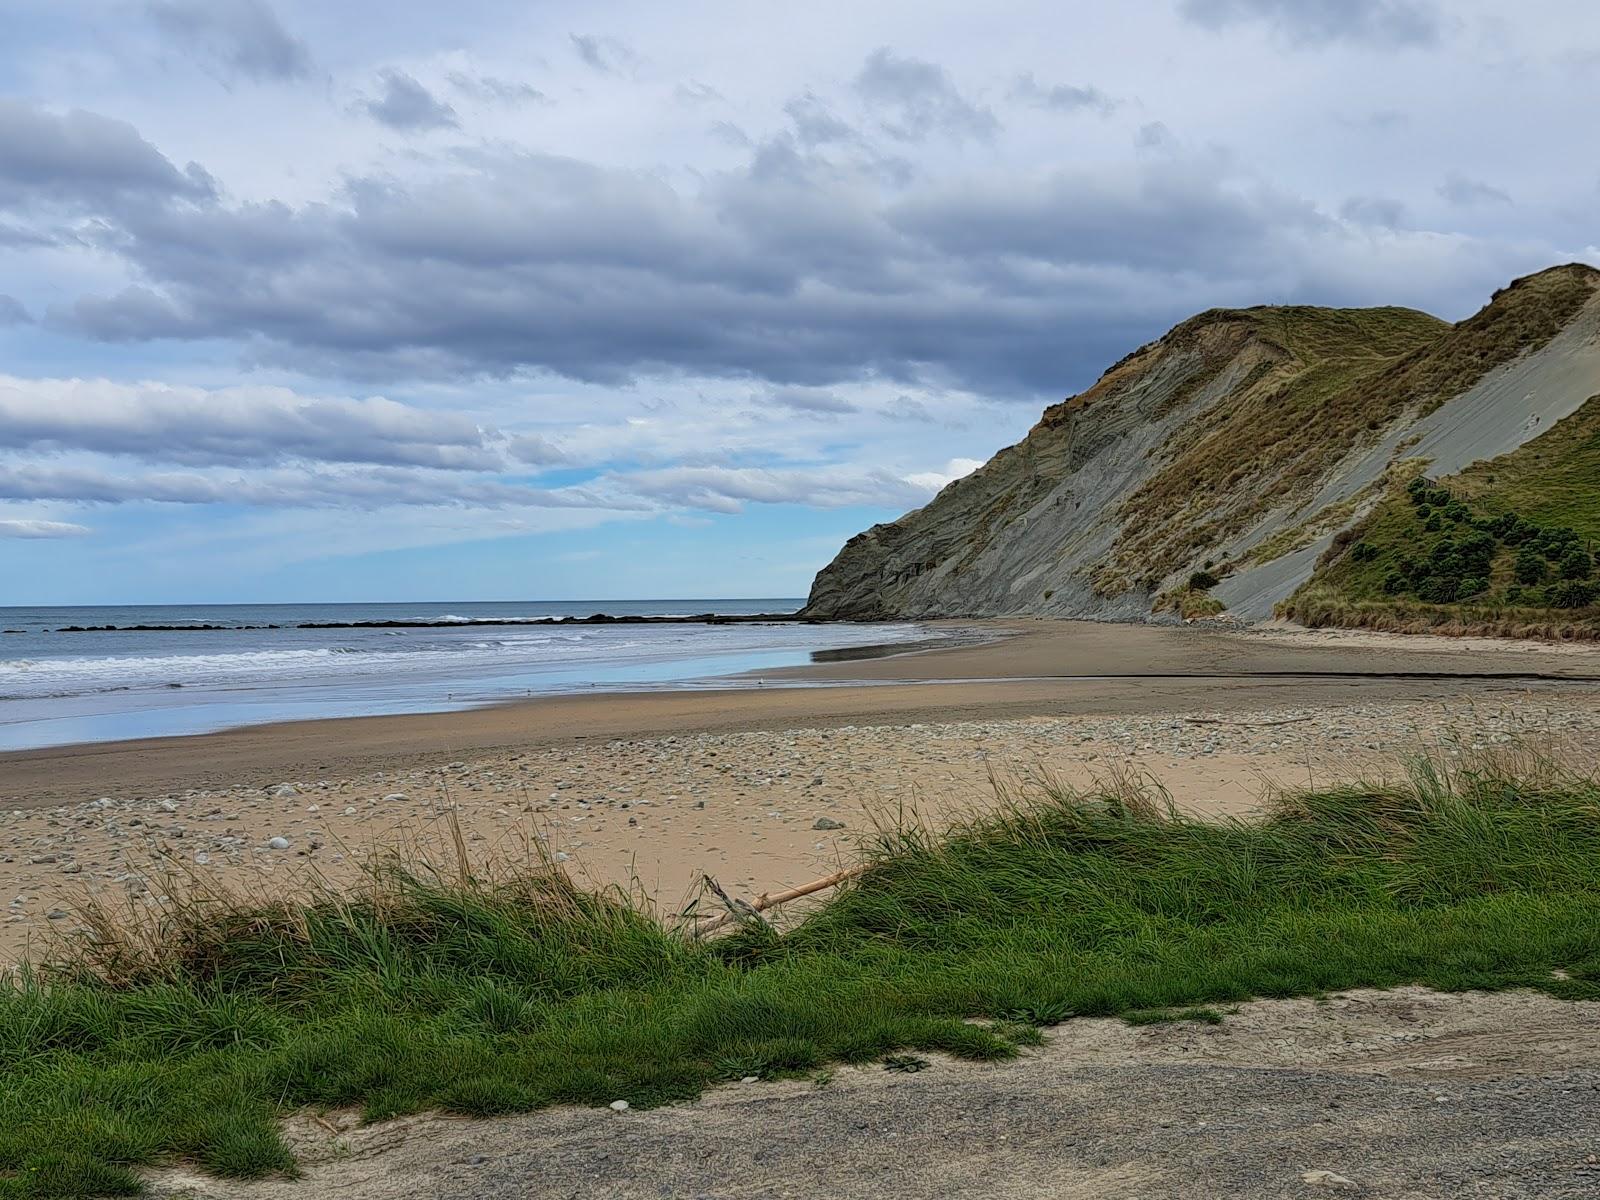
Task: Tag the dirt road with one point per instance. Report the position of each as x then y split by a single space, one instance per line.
1403 1094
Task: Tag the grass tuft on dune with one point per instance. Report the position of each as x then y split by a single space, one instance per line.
191 1037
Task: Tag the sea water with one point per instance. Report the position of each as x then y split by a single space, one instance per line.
264 663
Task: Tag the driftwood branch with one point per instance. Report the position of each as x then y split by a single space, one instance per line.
739 910
1248 724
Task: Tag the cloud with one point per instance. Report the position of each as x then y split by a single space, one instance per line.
729 134
81 157
245 37
797 268
295 487
1062 97
729 489
1165 217
536 450
817 401
1154 135
1381 211
815 124
499 91
406 105
1462 192
1384 120
1382 23
935 481
695 92
907 408
42 529
235 425
12 312
608 55
921 99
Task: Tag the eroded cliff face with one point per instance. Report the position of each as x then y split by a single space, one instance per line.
1242 436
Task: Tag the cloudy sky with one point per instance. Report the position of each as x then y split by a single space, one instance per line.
394 300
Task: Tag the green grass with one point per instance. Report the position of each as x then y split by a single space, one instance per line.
1552 480
190 1040
1549 484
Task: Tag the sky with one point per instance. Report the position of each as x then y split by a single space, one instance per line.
367 301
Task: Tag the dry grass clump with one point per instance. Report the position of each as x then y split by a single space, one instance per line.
1319 606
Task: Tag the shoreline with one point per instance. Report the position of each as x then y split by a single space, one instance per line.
763 786
1013 667
600 618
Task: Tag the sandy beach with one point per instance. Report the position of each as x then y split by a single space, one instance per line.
768 786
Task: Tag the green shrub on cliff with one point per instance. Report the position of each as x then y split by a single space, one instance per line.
1465 552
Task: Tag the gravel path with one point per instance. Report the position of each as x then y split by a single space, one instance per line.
1382 1094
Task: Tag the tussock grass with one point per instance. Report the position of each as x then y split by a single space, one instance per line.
478 993
1319 605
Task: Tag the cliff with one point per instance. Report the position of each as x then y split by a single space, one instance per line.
1239 444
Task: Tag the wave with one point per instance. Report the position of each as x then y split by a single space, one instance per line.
42 678
412 664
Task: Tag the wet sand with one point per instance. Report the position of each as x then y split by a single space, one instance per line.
651 789
1041 668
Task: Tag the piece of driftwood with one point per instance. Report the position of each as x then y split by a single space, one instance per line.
1248 724
739 910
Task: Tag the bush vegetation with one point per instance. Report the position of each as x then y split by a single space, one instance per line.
189 1038
1460 553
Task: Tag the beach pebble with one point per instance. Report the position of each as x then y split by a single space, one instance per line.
278 843
349 810
1328 1179
284 790
396 798
827 823
619 1106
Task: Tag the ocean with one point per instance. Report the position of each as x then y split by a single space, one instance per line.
88 674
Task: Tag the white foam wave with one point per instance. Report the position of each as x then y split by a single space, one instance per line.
418 662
